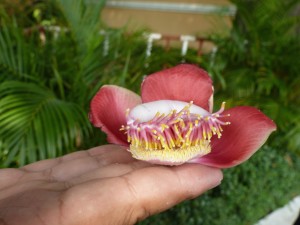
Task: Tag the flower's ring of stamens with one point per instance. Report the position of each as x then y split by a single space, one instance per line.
177 157
175 137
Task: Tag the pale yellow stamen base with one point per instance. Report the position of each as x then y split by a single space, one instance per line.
170 156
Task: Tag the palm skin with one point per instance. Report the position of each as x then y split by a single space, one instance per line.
103 185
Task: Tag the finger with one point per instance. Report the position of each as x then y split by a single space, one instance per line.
77 167
41 165
49 163
99 150
158 189
9 177
138 194
79 163
109 171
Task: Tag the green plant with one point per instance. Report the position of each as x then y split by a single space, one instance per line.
48 79
258 64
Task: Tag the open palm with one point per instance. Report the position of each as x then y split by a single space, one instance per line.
103 185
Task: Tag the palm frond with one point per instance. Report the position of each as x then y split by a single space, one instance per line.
19 58
83 21
12 51
36 125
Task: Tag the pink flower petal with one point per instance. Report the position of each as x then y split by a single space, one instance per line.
183 83
108 108
248 131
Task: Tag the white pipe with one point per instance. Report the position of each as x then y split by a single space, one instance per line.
229 10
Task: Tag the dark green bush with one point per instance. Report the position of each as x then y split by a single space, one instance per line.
258 64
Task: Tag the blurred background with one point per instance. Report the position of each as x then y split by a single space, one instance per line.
56 54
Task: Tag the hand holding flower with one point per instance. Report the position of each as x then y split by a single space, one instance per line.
103 185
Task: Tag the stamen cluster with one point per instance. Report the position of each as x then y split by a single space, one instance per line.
175 131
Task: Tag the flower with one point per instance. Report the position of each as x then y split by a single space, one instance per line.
172 122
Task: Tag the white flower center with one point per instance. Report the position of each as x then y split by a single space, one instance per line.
146 112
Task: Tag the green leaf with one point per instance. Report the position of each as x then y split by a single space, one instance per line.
35 123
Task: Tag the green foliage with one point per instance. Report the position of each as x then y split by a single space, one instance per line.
259 64
47 79
35 124
247 193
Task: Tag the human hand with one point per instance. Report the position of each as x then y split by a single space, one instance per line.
103 185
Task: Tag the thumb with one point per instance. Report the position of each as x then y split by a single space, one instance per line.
155 189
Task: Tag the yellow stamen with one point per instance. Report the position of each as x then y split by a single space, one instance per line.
176 136
177 157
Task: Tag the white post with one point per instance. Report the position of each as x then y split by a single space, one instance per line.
150 38
185 43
